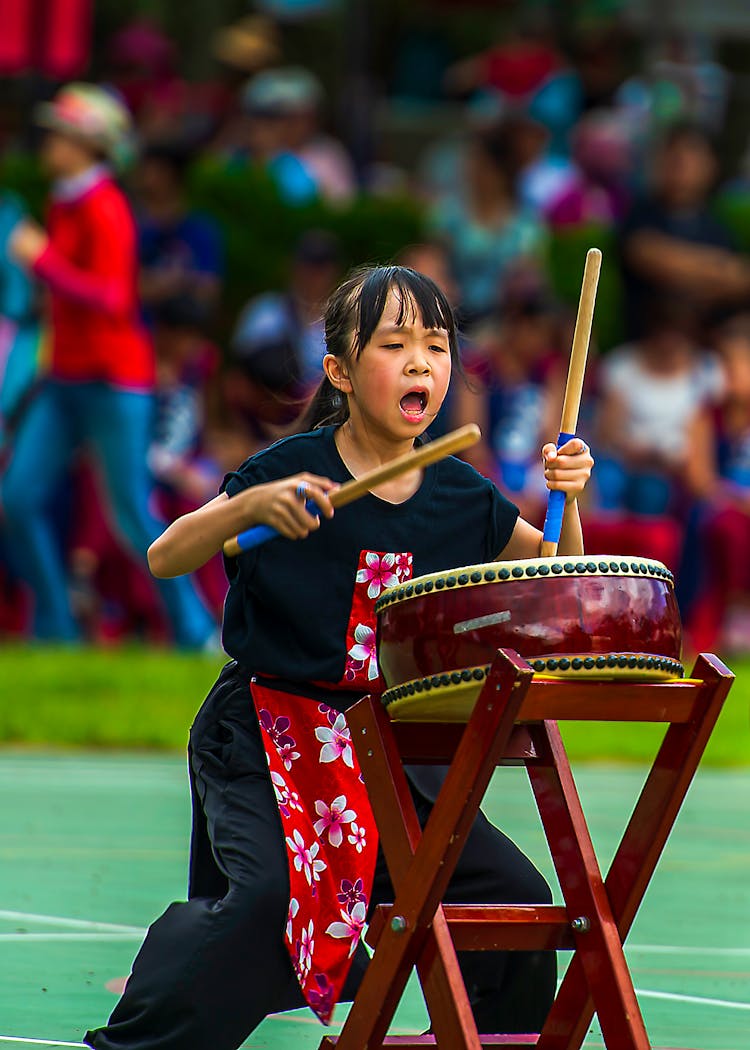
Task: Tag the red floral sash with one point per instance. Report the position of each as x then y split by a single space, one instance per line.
329 829
330 835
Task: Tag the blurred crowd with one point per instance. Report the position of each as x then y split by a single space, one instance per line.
125 395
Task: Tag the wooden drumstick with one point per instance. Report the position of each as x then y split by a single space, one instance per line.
573 388
351 490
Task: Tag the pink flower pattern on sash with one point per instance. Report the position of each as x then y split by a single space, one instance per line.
333 819
330 872
376 572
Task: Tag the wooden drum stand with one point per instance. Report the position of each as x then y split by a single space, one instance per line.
514 721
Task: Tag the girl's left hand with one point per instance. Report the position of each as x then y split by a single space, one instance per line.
567 468
27 242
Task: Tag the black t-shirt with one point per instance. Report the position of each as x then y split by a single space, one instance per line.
289 602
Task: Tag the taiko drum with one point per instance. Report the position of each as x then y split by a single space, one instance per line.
602 617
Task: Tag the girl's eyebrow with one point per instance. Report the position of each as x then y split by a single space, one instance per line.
395 328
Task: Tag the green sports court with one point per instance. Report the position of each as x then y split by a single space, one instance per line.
94 845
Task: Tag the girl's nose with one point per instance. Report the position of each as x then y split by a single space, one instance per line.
418 365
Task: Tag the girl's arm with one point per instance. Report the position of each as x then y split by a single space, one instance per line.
193 539
567 469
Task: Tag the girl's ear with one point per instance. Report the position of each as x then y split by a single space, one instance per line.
337 374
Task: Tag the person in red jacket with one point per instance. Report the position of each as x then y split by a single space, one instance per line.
99 391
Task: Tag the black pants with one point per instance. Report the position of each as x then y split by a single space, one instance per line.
212 968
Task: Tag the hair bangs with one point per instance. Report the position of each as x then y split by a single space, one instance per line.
419 298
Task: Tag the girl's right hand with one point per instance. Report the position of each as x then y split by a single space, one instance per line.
281 504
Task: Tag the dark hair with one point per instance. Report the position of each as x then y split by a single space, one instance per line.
498 144
691 131
171 155
183 310
353 313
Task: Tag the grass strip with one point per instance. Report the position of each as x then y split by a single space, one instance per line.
136 697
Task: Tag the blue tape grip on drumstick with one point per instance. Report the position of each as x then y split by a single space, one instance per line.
555 504
259 534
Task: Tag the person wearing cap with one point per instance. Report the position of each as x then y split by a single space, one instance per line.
100 388
278 344
265 138
296 96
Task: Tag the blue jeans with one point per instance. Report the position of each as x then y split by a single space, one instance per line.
635 491
116 425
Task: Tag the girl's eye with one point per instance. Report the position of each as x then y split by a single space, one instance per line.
440 349
392 346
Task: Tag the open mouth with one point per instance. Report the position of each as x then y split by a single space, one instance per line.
414 403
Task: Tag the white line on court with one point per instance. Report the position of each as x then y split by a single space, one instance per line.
644 992
679 949
111 927
697 1000
38 1042
76 924
109 936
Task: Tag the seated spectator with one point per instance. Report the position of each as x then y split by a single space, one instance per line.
679 80
142 67
180 251
430 257
187 394
241 50
186 390
517 66
543 173
488 235
266 137
300 97
278 344
596 191
514 382
671 242
650 392
526 71
718 473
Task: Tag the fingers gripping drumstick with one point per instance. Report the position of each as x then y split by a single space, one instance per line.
421 457
573 388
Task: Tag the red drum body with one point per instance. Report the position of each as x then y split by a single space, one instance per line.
602 618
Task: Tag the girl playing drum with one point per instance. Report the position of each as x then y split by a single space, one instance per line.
284 861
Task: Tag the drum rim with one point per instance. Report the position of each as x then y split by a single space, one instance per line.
524 569
640 666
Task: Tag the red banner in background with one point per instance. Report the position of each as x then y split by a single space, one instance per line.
52 37
15 37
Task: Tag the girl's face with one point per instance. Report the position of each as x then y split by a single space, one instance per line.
397 384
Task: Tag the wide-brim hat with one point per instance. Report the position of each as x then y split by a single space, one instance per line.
89 113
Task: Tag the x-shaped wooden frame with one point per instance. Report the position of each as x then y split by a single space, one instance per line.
514 721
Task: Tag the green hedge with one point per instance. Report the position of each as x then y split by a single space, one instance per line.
261 229
146 698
